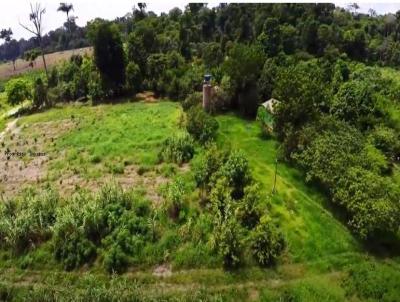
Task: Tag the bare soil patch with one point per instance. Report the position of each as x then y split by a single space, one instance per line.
149 181
25 154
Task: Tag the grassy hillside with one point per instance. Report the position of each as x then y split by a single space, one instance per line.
312 230
87 144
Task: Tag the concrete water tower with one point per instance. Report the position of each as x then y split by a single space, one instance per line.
207 88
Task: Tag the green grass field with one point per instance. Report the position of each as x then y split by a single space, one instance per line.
87 139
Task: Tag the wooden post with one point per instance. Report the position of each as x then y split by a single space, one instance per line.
276 171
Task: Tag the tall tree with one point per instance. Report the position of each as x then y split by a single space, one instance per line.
108 55
66 8
36 18
6 34
11 45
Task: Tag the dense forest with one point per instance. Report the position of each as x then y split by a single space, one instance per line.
335 118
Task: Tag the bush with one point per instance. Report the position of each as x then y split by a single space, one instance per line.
27 222
227 239
247 208
17 90
192 100
207 165
236 170
95 88
373 282
201 125
71 244
40 94
174 200
133 77
266 122
266 242
220 100
178 149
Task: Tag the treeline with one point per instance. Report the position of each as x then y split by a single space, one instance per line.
69 36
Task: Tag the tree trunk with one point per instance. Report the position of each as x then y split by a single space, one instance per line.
44 59
14 64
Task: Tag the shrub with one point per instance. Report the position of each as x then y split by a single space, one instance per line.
220 99
373 282
174 200
53 78
17 90
192 100
247 208
27 222
236 170
265 120
133 77
266 242
206 166
95 88
178 148
39 94
227 239
201 125
71 244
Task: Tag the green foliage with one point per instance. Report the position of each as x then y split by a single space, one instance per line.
108 55
192 100
371 200
387 140
266 121
133 77
209 163
243 66
175 200
227 238
26 222
266 81
114 221
247 211
266 242
17 90
313 290
178 148
236 171
354 103
71 244
373 282
39 94
201 125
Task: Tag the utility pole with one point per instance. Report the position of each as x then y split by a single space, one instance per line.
276 172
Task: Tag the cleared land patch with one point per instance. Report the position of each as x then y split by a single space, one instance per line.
84 147
22 66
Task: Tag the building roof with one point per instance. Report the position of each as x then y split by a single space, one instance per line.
270 104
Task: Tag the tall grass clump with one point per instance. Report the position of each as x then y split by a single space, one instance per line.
27 220
178 149
112 225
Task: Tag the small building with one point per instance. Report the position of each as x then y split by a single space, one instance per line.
270 105
207 91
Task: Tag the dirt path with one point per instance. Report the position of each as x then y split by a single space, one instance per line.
11 126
